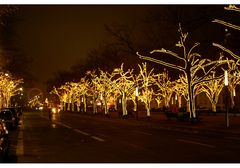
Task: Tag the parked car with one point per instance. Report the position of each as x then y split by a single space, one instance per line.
16 114
8 118
4 145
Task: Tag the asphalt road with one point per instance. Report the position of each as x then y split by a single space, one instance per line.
78 138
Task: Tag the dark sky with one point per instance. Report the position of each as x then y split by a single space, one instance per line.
56 37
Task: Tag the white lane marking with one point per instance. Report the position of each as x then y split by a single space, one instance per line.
20 144
67 126
98 139
81 132
77 130
197 143
145 133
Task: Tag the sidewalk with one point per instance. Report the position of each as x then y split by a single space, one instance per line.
216 123
207 124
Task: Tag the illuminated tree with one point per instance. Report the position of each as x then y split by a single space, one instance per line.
105 87
191 65
158 100
93 89
236 27
61 95
233 70
146 80
180 89
134 98
230 8
68 87
165 86
83 91
35 101
125 85
9 86
213 88
233 80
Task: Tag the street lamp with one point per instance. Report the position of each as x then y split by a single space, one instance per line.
136 94
226 97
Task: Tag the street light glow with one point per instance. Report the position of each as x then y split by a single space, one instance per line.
225 78
137 91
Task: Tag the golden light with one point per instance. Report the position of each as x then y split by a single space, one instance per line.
225 78
136 91
54 110
192 64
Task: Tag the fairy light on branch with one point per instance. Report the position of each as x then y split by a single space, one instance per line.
192 63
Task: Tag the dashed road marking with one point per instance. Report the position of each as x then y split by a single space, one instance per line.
197 143
81 132
98 139
77 130
67 126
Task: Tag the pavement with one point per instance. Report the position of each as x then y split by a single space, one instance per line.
207 124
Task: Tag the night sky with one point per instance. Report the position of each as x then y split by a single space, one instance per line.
56 37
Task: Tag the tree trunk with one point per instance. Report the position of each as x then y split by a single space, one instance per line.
94 104
85 103
148 107
73 106
232 99
134 105
7 102
124 104
190 92
105 106
179 101
214 106
68 106
115 104
62 105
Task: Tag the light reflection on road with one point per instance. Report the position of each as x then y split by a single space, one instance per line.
54 118
53 125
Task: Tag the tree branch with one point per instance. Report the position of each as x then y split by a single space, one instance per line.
226 50
161 62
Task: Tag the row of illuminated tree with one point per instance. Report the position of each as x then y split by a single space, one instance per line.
197 75
9 87
105 88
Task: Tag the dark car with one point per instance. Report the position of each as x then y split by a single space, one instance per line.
16 114
4 145
8 118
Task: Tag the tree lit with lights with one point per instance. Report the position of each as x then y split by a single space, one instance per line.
147 80
191 65
9 86
125 85
212 89
165 86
